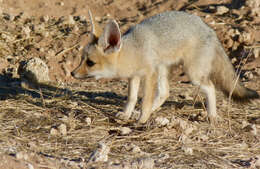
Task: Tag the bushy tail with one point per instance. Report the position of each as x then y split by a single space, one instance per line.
224 77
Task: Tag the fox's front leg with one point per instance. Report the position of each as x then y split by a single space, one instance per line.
133 87
162 87
149 87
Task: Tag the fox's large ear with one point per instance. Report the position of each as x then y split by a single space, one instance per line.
110 40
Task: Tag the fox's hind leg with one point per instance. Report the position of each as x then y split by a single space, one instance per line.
209 89
133 88
198 70
162 87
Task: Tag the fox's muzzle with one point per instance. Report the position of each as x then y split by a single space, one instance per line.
78 75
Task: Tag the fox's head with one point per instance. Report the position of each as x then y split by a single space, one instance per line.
99 56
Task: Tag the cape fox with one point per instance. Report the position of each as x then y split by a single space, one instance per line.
147 51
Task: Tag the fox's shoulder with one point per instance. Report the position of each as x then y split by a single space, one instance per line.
170 26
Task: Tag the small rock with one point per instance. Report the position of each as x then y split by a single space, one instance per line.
234 60
163 156
222 10
88 121
34 70
247 37
143 163
188 130
61 3
257 161
25 84
82 18
98 19
30 166
254 130
212 7
162 121
76 28
136 149
187 150
125 130
45 34
133 148
256 52
183 124
100 154
51 53
249 75
63 129
254 5
54 132
203 137
7 16
185 139
39 28
26 30
70 20
45 18
247 127
257 71
187 96
41 49
22 156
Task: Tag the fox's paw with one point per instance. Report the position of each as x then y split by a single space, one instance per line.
123 116
143 118
214 120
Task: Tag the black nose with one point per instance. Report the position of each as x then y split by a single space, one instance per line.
72 74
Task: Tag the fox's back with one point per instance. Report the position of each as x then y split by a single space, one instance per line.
170 31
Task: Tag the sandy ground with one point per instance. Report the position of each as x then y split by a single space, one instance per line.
27 116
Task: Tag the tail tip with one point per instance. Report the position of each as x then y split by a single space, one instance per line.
251 94
248 95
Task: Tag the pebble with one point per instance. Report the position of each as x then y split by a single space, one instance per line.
187 150
222 10
54 132
256 52
162 121
125 130
100 154
63 129
88 121
34 70
45 18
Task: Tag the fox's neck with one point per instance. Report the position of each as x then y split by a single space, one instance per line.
126 63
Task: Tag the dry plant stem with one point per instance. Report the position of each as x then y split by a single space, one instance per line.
66 50
19 40
196 95
42 98
254 46
241 63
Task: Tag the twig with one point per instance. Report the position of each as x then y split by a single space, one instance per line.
238 72
66 50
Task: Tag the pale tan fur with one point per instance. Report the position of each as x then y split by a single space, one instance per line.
149 49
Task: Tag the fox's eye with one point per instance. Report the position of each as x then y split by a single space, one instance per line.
90 63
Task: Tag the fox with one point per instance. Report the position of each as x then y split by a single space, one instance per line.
148 50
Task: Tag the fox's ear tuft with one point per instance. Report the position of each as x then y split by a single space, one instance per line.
110 40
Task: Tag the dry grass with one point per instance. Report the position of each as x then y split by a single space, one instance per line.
188 141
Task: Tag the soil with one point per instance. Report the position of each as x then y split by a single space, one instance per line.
56 31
